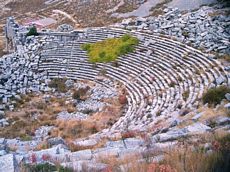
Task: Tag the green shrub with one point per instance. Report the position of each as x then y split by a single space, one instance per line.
86 47
126 37
215 95
108 50
25 137
58 84
32 31
46 167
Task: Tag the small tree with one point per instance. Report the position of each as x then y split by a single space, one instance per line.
32 31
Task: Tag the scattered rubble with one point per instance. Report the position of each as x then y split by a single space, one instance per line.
201 28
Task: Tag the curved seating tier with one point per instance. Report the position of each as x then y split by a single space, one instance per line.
161 76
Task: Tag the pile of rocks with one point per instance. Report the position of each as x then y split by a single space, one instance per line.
18 75
98 93
65 28
90 105
94 101
205 28
71 116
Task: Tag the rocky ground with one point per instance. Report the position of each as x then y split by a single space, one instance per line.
206 29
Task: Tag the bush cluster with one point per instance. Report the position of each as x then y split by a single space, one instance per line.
215 95
58 84
78 94
32 31
46 167
108 50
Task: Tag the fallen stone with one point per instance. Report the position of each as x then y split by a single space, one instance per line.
227 106
133 142
81 155
86 143
220 80
2 113
55 141
3 152
197 116
222 120
198 128
85 166
57 150
8 163
170 135
106 152
227 96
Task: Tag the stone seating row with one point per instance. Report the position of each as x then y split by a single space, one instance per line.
144 75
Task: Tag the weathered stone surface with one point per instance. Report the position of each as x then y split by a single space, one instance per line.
227 106
106 152
133 142
198 128
85 166
81 155
3 152
197 116
57 150
86 143
71 116
55 141
170 135
220 80
8 163
222 120
227 96
43 131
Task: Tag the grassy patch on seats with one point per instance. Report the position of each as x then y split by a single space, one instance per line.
108 50
215 95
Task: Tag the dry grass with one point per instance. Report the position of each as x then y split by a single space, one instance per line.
128 163
31 112
196 159
73 129
158 9
127 7
23 6
42 145
133 163
215 13
208 114
180 159
2 46
226 57
188 160
157 12
75 147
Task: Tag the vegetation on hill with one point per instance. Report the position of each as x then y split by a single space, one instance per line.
215 95
32 31
108 50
